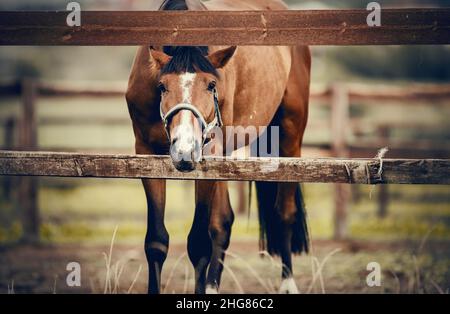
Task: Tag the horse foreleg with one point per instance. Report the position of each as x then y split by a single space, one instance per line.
220 224
210 234
157 237
199 243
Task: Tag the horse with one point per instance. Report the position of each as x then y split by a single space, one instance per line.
177 95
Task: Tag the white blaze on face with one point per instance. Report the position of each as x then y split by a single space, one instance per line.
184 132
186 82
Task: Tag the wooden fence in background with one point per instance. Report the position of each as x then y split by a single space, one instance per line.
339 97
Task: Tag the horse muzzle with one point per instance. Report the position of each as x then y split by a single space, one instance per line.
185 153
186 149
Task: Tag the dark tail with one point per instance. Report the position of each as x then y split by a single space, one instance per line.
270 223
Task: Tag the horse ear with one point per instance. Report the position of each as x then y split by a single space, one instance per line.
220 58
158 58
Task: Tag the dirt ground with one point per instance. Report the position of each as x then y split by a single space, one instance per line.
333 267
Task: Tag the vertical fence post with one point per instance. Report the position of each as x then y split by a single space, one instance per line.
241 197
8 141
28 188
340 122
383 200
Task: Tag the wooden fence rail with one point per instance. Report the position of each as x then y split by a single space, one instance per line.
356 92
354 171
319 27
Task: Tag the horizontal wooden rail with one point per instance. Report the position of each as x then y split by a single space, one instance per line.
412 92
83 121
356 91
319 27
72 89
360 171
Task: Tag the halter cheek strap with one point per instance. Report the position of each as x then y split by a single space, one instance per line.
206 127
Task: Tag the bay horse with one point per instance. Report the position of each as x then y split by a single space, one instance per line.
176 95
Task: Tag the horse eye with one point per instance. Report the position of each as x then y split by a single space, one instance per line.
211 86
162 88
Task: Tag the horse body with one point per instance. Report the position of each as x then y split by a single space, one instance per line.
257 86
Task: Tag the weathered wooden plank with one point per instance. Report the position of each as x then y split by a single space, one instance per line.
320 27
361 171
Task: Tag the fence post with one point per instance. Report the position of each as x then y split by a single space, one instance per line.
340 122
383 200
8 141
242 202
28 188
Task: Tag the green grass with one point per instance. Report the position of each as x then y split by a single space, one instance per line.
90 209
74 210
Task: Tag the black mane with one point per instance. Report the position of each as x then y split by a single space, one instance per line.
174 5
186 59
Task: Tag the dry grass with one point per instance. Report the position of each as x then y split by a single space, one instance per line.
115 270
416 282
331 268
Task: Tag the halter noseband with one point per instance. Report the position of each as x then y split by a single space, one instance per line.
206 127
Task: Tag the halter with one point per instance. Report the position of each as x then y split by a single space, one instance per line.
206 127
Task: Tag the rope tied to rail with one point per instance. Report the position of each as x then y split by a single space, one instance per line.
381 153
379 176
361 172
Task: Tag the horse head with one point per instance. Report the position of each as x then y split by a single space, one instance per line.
189 107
